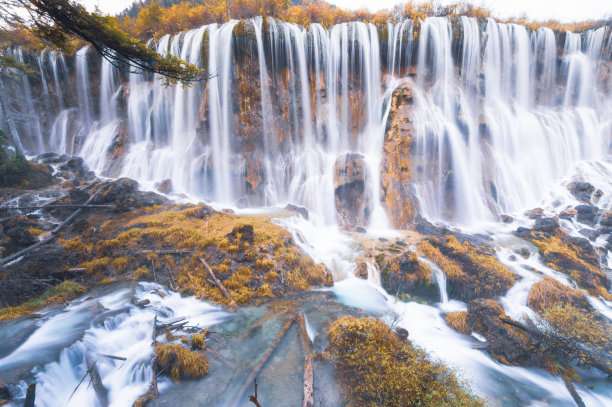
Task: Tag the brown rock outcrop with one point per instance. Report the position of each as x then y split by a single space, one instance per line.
350 186
396 174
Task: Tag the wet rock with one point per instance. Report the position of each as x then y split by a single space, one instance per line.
298 209
405 274
125 195
535 213
76 168
507 219
606 219
523 232
362 271
581 191
547 225
350 186
361 229
424 227
396 174
568 214
5 393
586 213
589 234
524 252
245 232
401 333
506 343
51 158
18 236
164 187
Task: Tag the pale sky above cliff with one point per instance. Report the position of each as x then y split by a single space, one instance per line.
563 10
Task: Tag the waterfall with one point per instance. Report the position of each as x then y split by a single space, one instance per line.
501 112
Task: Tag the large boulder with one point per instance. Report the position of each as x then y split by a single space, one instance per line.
507 344
582 191
396 174
353 198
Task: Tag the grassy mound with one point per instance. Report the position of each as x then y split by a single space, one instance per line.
472 272
179 363
253 257
61 293
376 368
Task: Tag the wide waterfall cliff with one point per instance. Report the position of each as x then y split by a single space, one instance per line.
423 198
496 115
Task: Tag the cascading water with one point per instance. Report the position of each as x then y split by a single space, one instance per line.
502 116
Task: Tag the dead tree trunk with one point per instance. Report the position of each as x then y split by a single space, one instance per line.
96 381
217 282
308 395
261 363
54 234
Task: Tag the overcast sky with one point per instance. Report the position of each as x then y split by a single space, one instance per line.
563 10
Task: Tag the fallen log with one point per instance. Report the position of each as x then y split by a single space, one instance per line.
169 251
154 379
572 390
50 238
81 206
96 381
308 393
217 282
587 355
261 363
113 357
30 396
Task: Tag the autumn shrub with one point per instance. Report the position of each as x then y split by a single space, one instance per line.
179 363
457 320
376 368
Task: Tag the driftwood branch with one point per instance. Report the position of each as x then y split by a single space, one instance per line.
54 233
217 282
261 363
308 394
96 381
253 397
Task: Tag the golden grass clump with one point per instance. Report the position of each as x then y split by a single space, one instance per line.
61 293
96 265
141 272
376 368
549 292
120 264
198 340
457 321
179 363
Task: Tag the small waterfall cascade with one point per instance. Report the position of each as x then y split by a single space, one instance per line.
501 112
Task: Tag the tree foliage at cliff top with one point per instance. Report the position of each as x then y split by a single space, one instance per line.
155 18
57 22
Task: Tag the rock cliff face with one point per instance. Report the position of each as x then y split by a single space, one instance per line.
353 200
396 172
